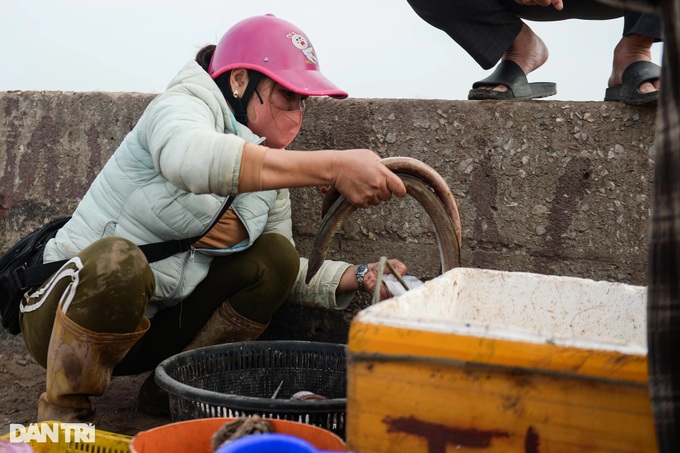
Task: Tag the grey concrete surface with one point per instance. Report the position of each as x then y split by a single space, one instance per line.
550 187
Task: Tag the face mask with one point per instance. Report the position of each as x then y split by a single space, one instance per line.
280 127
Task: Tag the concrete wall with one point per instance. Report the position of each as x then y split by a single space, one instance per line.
550 187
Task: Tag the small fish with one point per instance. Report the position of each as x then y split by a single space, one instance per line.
304 395
425 185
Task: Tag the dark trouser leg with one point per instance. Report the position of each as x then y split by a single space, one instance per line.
486 28
255 282
83 321
643 24
483 28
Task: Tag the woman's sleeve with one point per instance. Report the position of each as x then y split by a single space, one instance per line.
181 132
320 292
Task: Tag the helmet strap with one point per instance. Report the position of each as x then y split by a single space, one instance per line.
239 105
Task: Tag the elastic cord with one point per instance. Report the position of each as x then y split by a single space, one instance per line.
239 104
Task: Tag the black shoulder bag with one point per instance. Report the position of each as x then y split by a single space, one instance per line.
21 267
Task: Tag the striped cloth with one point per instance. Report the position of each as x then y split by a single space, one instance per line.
663 302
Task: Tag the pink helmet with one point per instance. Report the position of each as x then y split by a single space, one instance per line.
277 49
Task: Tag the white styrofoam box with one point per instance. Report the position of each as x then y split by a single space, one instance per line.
526 306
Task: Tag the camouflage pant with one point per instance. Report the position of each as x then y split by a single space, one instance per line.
107 286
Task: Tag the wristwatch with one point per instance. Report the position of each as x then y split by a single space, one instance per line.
361 271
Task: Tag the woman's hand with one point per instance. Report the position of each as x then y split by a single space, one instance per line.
349 280
359 175
371 277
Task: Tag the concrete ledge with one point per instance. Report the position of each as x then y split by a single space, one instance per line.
549 187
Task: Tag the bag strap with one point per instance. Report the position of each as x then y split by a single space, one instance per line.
27 277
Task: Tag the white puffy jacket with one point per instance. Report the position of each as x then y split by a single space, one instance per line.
168 180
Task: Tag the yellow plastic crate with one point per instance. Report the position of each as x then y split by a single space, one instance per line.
501 361
105 442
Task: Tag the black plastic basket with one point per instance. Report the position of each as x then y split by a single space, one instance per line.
239 379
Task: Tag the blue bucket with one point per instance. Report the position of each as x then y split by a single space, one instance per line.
270 443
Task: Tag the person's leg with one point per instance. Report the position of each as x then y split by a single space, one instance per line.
487 29
234 302
645 24
493 30
527 49
253 283
483 28
640 31
572 9
83 320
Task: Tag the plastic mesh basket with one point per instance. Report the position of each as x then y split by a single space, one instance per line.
237 379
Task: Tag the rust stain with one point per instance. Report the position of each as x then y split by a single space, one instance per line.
531 440
622 360
95 148
438 436
510 402
12 139
43 143
483 193
8 196
11 105
571 187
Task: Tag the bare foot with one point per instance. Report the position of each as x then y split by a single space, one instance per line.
527 50
630 49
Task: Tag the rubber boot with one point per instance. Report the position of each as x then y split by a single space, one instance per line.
225 325
79 365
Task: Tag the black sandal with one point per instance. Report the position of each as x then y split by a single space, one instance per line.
509 74
633 76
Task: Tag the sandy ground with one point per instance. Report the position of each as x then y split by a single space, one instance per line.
22 380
